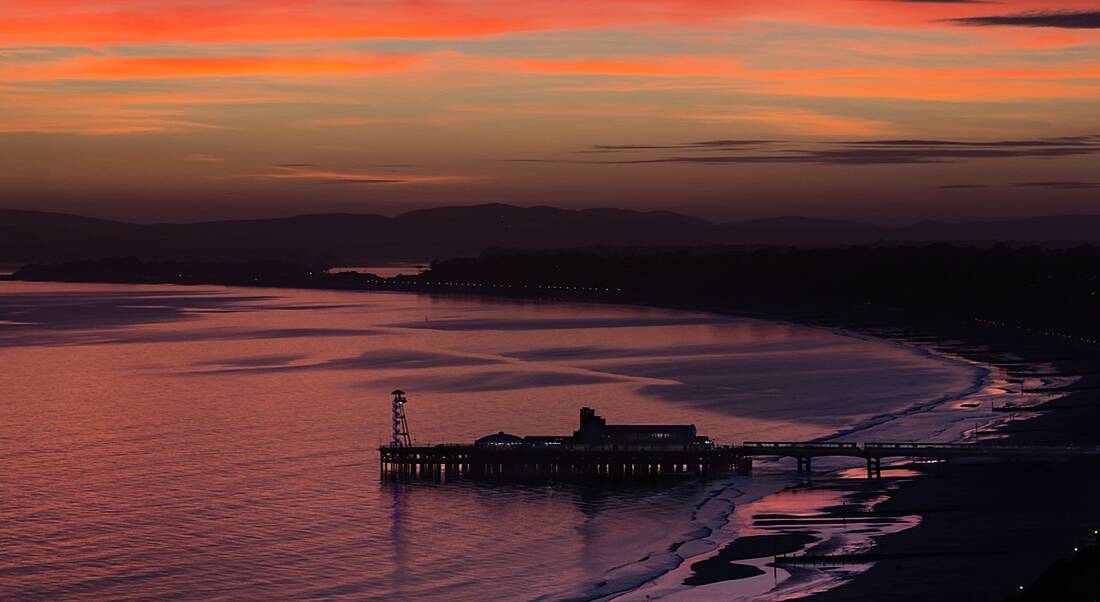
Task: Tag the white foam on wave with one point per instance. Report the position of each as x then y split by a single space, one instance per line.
702 534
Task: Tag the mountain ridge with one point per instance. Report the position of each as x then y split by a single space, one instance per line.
450 231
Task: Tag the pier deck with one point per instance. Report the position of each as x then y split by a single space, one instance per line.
448 461
451 461
874 453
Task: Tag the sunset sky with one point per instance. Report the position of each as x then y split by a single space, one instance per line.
880 110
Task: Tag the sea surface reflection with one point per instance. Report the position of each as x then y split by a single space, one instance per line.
192 443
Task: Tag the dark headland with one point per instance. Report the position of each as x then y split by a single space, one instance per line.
986 529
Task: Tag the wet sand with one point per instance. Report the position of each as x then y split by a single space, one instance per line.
986 527
833 514
989 528
723 567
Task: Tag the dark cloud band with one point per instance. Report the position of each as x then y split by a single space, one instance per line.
864 152
1066 19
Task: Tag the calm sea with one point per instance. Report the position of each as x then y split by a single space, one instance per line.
219 443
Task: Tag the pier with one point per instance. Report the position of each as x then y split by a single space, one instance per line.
874 453
610 452
595 451
447 462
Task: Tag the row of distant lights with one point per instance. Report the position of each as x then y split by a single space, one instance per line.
1076 549
1052 333
591 289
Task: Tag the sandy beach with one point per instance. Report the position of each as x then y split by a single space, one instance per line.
989 528
986 530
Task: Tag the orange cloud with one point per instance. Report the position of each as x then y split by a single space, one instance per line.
203 158
99 22
99 125
121 68
971 84
51 109
215 31
802 122
292 172
933 86
113 22
671 66
964 85
434 120
573 109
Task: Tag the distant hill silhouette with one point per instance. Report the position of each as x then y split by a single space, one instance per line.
462 231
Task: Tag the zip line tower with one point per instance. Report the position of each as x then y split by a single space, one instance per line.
401 436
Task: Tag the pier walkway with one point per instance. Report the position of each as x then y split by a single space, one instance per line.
449 461
804 452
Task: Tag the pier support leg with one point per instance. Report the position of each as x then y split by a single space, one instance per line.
874 468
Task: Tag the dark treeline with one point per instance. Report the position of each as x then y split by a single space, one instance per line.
1034 287
1037 287
133 270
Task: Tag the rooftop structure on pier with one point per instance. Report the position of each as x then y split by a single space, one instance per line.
595 434
595 451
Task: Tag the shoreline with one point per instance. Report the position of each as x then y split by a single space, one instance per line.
1001 497
1007 496
819 533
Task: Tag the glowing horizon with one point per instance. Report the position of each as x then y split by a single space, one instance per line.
204 109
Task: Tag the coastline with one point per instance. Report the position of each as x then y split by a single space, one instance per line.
988 531
1000 524
977 516
845 517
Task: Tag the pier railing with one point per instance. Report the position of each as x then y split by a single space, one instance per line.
563 463
445 461
823 445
